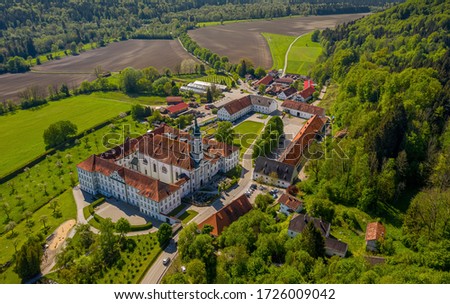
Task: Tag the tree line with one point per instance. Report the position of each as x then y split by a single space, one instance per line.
32 28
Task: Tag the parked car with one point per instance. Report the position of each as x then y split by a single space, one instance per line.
254 186
183 269
275 196
262 188
166 261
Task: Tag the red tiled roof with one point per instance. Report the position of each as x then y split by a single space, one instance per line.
294 151
147 186
174 99
306 93
375 231
227 215
299 221
289 91
266 80
303 107
290 201
236 105
178 108
308 83
220 148
167 150
286 80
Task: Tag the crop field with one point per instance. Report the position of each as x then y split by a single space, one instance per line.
116 56
244 40
21 138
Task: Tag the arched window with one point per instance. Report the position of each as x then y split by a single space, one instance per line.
164 170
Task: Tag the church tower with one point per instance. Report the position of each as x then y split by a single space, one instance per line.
196 144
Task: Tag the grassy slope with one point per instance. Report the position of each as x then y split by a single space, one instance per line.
302 55
21 138
278 45
68 211
187 216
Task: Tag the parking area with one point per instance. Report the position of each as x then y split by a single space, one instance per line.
115 210
254 189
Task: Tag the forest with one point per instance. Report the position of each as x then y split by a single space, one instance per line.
391 70
30 27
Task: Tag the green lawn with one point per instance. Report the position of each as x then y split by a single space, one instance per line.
21 137
246 133
68 211
187 216
278 45
303 55
57 173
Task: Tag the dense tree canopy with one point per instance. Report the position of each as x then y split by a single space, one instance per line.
58 132
32 27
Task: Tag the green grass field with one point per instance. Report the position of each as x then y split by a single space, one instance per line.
303 55
68 211
246 133
187 216
22 132
278 45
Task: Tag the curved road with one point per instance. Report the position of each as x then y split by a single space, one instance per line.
287 53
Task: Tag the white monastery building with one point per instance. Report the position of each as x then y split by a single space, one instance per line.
237 108
154 171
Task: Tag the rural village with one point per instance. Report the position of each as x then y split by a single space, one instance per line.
185 160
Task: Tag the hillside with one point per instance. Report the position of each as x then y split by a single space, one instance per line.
390 71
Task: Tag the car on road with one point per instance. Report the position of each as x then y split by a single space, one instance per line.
166 261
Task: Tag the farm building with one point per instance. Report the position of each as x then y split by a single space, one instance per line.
374 232
227 215
287 93
285 81
173 100
294 152
266 80
304 95
237 108
177 109
301 109
201 87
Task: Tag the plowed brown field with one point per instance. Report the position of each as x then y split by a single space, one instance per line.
244 39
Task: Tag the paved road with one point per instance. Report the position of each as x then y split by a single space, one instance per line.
287 54
158 269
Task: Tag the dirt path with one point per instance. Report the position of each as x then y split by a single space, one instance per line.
287 54
55 245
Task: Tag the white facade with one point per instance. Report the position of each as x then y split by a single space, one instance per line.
188 180
223 114
286 210
296 113
114 186
299 98
270 180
